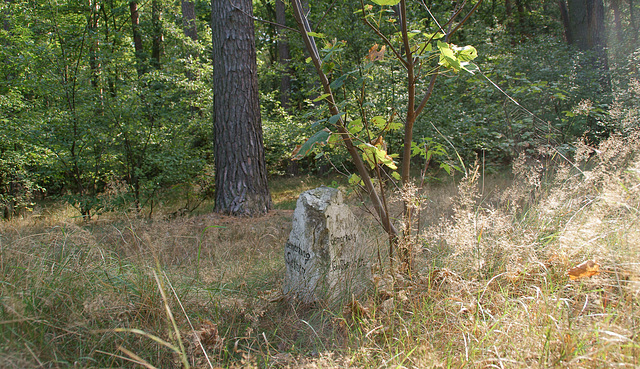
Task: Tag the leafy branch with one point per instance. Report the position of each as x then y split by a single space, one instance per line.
370 155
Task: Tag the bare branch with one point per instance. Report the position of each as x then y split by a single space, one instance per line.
325 15
464 20
429 92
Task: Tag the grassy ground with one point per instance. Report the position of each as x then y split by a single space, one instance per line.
490 287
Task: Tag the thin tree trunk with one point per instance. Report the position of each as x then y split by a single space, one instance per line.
632 20
564 16
111 72
586 19
586 23
94 46
521 17
241 177
284 55
615 7
508 9
157 35
137 37
189 19
190 30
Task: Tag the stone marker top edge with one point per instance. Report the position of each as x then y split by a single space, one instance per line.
321 197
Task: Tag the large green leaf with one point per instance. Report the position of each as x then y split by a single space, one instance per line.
355 126
321 97
456 58
466 53
320 138
379 122
315 34
434 36
355 179
447 57
335 139
339 81
335 118
386 2
374 155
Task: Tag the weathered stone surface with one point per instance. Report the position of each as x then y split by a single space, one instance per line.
326 256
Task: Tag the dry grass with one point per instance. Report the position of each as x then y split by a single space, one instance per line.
490 287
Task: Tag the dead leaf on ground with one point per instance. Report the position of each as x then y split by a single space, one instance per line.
272 295
356 309
283 358
438 277
586 269
387 306
208 335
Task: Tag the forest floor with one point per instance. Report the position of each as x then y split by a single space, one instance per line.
538 270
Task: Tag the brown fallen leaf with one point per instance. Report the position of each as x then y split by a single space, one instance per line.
208 335
586 269
356 309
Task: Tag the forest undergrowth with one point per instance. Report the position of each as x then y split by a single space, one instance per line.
538 270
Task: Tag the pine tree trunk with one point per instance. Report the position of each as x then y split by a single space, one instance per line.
241 178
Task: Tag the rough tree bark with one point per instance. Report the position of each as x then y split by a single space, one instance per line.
241 176
189 19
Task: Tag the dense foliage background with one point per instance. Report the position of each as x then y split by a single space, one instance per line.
93 115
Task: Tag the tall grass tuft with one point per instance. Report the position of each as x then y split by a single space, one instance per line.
494 287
